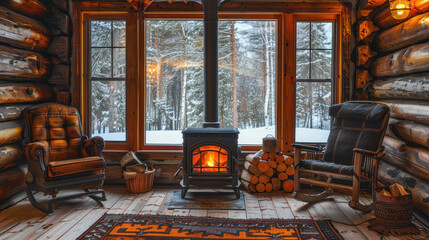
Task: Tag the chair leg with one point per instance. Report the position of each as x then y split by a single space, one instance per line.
35 204
92 194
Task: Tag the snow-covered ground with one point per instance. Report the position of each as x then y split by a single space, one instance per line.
247 136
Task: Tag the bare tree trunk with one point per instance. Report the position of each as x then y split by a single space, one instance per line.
267 82
234 79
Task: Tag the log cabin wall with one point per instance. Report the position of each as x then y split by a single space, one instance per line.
34 68
392 59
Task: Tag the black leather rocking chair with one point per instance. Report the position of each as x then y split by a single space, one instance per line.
352 153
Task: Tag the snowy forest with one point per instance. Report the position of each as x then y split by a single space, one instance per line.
175 79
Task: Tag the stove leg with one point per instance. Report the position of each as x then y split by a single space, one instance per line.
237 192
184 191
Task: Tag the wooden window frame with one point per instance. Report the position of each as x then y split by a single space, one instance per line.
287 13
82 79
334 18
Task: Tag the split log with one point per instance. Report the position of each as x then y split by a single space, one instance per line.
252 169
59 20
389 174
60 76
264 179
272 156
260 187
414 87
23 32
12 181
415 111
269 187
10 155
290 170
251 188
24 92
280 158
288 161
283 176
17 64
370 4
10 112
256 160
60 46
272 164
30 8
412 160
281 167
408 60
276 184
364 53
245 175
384 18
365 29
11 132
269 172
288 186
405 34
411 132
263 166
363 77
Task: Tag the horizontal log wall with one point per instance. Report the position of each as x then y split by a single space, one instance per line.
34 68
394 69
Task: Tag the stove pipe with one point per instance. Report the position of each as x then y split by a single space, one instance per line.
211 118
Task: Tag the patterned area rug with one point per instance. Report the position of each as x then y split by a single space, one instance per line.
193 228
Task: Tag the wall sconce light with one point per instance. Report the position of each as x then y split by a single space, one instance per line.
400 8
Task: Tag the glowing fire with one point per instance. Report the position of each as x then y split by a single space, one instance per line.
210 159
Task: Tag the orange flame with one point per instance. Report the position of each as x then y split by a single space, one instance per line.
210 159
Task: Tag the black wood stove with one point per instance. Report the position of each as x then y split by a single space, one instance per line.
210 153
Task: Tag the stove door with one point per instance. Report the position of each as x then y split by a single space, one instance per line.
210 159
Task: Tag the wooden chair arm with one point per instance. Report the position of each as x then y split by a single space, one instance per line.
379 153
93 146
37 151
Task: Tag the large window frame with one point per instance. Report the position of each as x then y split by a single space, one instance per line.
285 14
222 16
130 80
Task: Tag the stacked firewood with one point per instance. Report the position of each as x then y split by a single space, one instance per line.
267 171
395 190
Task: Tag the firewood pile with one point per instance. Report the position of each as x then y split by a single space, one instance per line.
267 172
131 165
395 190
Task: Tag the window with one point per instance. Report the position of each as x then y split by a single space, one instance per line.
314 80
107 74
175 78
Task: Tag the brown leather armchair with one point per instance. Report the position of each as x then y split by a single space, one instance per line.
59 156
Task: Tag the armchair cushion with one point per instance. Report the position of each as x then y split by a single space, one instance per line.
71 166
327 167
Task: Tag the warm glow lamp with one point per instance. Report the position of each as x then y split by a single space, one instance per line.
400 8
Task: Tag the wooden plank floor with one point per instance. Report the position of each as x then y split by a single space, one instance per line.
71 218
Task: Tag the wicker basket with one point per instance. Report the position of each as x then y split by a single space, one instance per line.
143 182
393 211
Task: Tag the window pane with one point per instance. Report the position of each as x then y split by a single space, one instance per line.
108 111
321 35
303 64
312 117
321 64
119 34
101 62
101 33
119 61
302 35
175 78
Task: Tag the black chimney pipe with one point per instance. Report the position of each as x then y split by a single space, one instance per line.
211 118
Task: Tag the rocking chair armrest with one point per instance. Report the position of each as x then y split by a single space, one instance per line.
308 147
93 146
37 151
379 153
